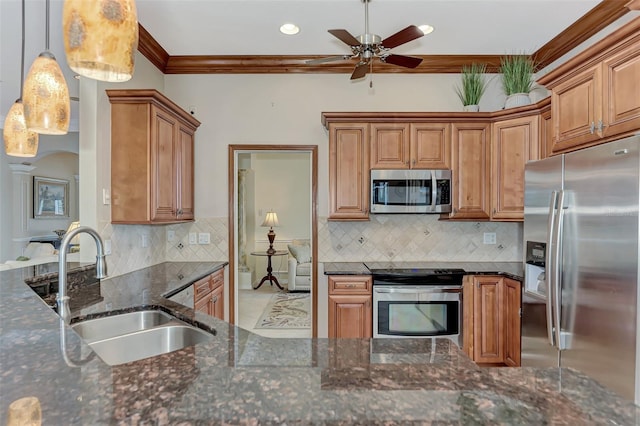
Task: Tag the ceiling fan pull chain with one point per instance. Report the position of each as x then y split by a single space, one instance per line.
371 75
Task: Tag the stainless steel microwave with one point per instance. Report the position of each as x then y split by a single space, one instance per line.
410 191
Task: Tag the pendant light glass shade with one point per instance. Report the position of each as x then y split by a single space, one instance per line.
18 141
46 97
101 38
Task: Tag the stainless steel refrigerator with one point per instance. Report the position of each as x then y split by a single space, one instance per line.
581 264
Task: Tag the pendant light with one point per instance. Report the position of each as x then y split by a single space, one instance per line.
101 38
46 96
18 141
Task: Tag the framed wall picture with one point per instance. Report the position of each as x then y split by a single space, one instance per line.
50 198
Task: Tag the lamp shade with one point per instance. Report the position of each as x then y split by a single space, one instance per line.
271 219
18 141
46 97
101 38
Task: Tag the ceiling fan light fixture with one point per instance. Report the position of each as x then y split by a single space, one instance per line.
426 28
289 29
101 38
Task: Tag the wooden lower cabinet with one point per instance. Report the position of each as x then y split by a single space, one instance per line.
350 306
491 313
208 295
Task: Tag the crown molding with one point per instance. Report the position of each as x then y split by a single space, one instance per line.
605 13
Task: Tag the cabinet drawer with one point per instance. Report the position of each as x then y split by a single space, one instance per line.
350 284
201 288
217 279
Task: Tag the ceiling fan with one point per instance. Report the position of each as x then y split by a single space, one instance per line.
367 46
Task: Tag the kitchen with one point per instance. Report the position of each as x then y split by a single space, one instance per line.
218 174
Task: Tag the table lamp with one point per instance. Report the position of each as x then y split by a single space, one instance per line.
271 220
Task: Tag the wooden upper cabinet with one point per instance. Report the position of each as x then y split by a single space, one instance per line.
349 171
430 145
514 142
470 167
621 75
545 134
576 107
390 146
595 96
151 158
410 146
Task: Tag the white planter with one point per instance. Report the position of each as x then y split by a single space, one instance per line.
517 100
471 108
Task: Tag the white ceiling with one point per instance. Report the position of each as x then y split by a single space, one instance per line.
250 27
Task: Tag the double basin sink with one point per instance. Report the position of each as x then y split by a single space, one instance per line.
132 336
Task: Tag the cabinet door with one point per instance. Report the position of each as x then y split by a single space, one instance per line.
514 142
164 128
389 146
217 303
622 91
576 107
184 167
350 316
545 134
470 170
430 145
488 340
348 171
512 304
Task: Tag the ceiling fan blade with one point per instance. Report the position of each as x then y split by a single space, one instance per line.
403 36
403 61
346 37
360 70
327 59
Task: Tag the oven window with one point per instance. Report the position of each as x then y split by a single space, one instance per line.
410 318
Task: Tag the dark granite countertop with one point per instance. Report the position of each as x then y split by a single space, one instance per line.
241 378
513 270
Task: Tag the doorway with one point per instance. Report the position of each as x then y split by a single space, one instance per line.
247 233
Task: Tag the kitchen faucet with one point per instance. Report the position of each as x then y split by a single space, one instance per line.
101 267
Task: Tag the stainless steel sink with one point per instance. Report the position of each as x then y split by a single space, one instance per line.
132 336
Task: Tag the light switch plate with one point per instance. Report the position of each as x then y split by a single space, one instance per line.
171 235
107 247
204 238
193 238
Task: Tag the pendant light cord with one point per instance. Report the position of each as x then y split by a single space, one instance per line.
47 27
22 57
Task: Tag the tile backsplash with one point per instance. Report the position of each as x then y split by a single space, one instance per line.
383 238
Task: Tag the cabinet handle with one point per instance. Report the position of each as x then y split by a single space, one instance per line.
592 128
368 303
601 125
413 161
214 299
350 285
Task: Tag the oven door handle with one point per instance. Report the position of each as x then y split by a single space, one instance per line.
420 290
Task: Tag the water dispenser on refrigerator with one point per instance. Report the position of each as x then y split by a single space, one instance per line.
535 282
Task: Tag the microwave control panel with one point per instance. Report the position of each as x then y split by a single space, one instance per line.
443 191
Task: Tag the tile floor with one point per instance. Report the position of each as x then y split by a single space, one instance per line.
251 304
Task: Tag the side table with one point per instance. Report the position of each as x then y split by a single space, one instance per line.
269 276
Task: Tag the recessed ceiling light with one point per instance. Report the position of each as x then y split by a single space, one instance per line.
426 28
289 29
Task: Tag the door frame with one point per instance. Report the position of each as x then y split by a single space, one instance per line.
313 150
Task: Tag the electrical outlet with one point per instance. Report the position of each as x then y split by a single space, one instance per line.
204 238
193 238
106 196
145 240
171 235
107 246
489 238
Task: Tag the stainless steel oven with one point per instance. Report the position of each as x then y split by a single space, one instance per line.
417 303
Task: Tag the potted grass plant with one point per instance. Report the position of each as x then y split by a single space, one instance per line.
473 85
517 79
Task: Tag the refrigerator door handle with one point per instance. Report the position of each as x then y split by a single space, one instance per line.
549 266
557 303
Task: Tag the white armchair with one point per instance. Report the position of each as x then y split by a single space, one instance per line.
299 271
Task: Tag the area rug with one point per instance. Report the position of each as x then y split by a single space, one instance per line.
286 310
